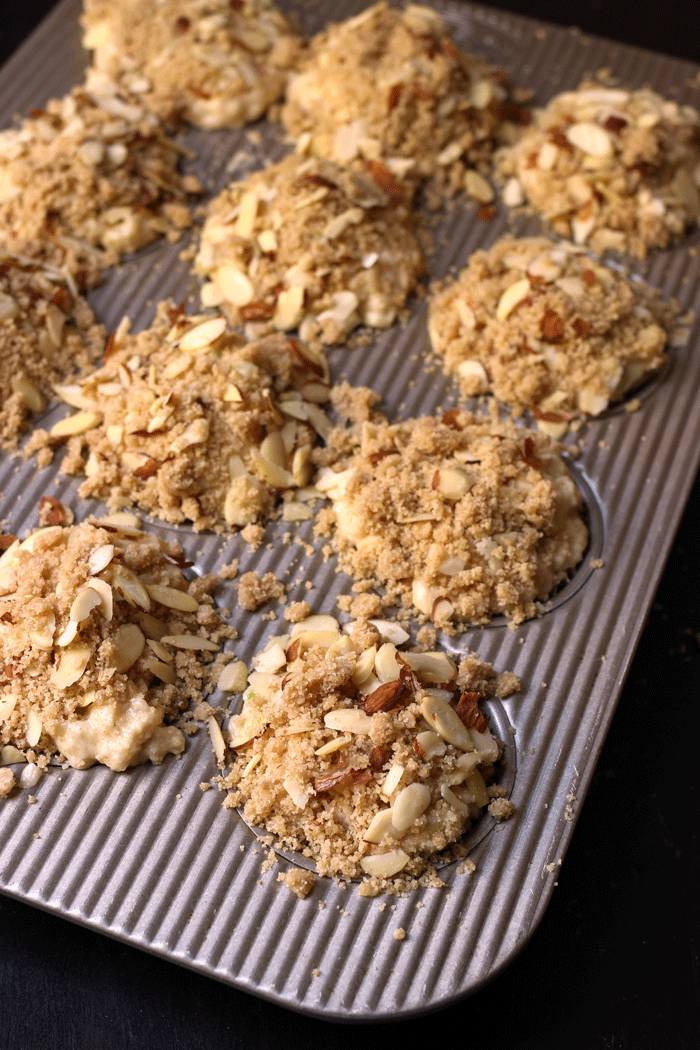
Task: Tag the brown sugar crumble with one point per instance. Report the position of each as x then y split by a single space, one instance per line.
457 519
369 761
545 328
298 881
255 590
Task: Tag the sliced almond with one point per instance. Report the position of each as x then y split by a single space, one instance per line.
203 335
384 865
236 286
217 740
128 585
290 309
451 482
348 720
190 641
512 297
477 187
172 598
393 779
380 826
29 393
410 804
34 727
128 641
100 558
315 622
70 666
434 668
79 423
446 722
161 670
386 663
84 602
333 745
590 138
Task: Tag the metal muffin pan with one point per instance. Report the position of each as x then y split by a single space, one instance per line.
149 858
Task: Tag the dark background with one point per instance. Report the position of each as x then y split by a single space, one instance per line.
615 962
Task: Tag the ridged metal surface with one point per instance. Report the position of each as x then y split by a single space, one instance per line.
149 858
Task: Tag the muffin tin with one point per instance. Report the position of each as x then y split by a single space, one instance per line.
147 856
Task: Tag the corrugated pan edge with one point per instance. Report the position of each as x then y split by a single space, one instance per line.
177 875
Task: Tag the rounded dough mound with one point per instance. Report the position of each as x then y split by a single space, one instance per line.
308 245
546 329
189 422
612 168
458 519
366 757
214 63
88 179
392 86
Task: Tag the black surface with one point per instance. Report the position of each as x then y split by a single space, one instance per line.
615 962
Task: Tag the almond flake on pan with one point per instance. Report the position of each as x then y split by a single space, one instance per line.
391 87
547 329
307 245
455 519
189 422
90 177
214 63
47 333
618 170
86 667
368 758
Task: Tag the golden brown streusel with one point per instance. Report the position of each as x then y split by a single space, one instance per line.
89 178
307 245
457 519
102 643
390 88
190 423
608 167
213 63
255 590
47 332
369 761
544 327
298 881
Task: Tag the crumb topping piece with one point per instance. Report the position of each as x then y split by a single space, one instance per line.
545 328
458 519
368 760
190 423
214 63
47 332
103 643
89 178
307 245
608 167
391 88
